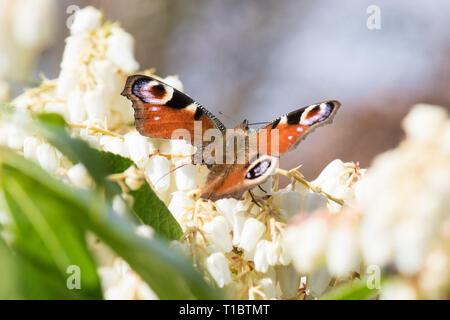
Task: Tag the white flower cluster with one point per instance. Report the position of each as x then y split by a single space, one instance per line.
289 243
405 198
399 216
26 28
244 245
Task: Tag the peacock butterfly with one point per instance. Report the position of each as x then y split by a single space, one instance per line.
162 111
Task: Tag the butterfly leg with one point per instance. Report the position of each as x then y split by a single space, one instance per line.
262 189
254 198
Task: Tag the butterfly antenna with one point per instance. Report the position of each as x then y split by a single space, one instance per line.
255 123
228 117
262 189
166 174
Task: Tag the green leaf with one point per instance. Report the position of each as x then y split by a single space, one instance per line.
10 286
169 273
113 163
48 239
147 206
354 290
153 212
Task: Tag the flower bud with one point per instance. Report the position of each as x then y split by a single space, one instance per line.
79 176
260 257
315 201
177 206
318 281
342 252
30 145
253 231
47 157
218 233
86 19
134 178
268 287
217 266
157 168
289 281
226 208
289 203
185 177
114 144
138 146
121 50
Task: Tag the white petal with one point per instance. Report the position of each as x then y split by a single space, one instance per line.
75 106
342 251
177 206
307 243
145 231
47 157
114 145
288 202
121 50
424 122
253 231
79 176
185 177
119 205
134 178
226 208
260 257
86 19
217 266
157 168
268 288
410 245
16 136
238 221
315 201
30 145
289 281
138 146
218 233
318 281
180 147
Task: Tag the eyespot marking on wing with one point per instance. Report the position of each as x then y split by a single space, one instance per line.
258 170
316 113
151 91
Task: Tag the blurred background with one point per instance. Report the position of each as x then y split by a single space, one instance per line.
257 60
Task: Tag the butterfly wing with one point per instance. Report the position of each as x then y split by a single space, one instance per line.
294 126
234 180
160 110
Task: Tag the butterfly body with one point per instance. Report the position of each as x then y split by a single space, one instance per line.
239 158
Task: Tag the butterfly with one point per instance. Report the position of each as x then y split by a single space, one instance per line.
160 110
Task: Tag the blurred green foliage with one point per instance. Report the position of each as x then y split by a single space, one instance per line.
50 220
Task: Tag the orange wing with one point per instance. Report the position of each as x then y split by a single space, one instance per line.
160 109
294 126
